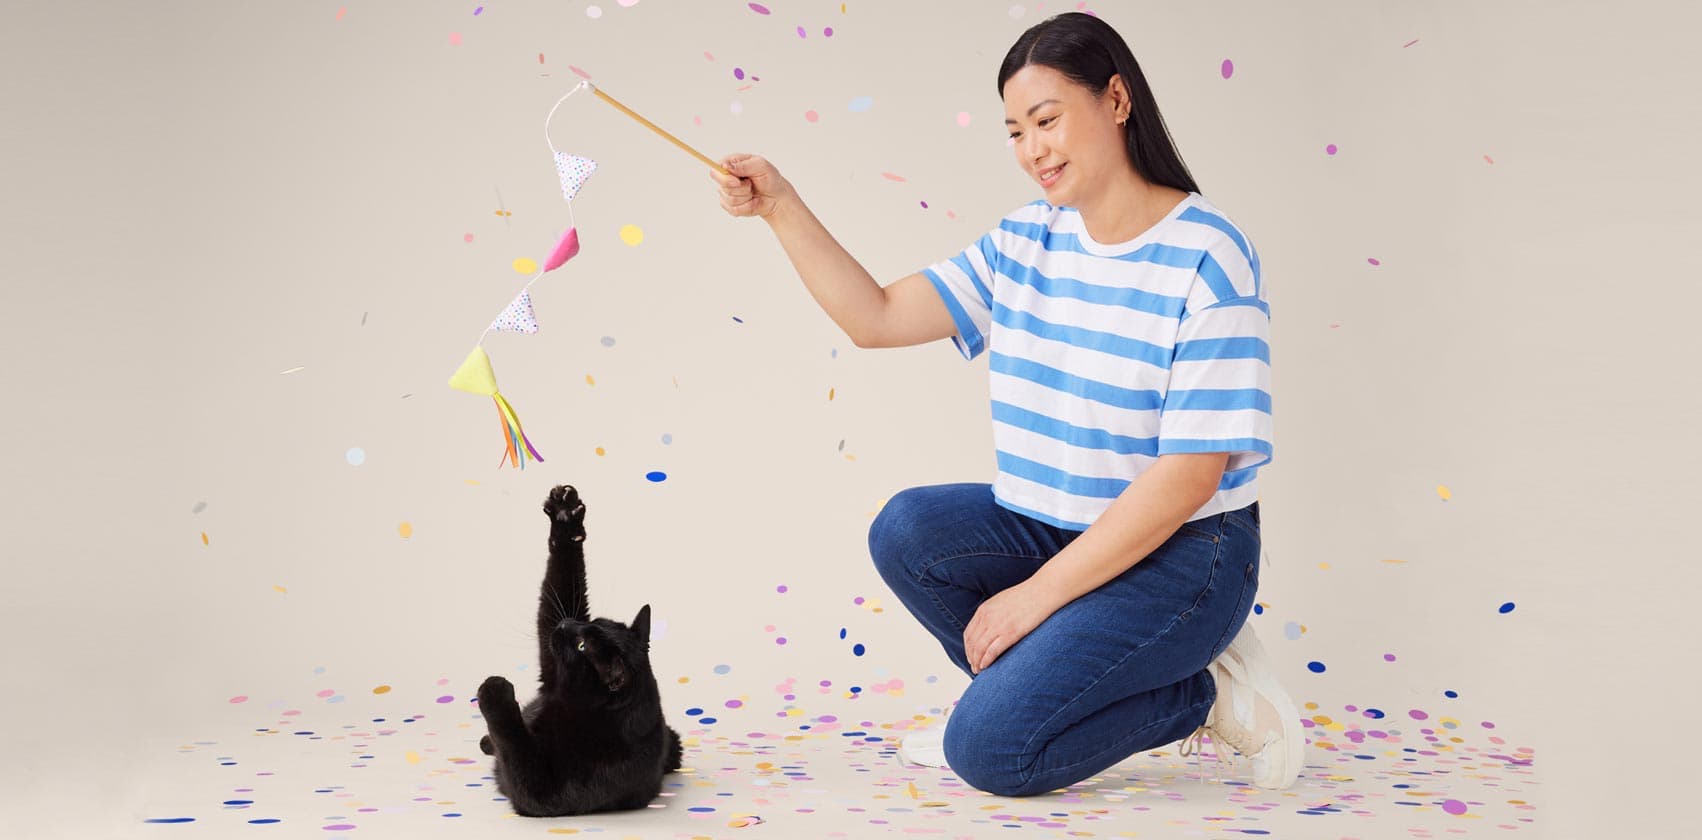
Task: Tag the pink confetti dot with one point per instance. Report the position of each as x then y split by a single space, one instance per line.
1418 714
769 628
454 39
1373 261
468 237
803 33
758 8
1454 806
827 33
811 116
1330 149
240 698
326 693
962 119
1228 68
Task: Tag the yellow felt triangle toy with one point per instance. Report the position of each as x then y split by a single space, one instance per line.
476 377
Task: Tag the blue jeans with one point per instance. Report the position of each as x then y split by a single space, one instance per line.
1117 671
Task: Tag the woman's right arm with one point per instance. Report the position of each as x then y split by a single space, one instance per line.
906 312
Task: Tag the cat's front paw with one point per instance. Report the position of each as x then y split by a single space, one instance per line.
566 512
495 692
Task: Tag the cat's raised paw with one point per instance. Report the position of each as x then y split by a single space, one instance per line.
495 691
563 504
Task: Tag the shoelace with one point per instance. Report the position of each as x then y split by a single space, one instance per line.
1225 729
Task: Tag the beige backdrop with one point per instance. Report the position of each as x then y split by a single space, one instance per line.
201 198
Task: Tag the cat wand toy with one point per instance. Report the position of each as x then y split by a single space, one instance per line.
475 375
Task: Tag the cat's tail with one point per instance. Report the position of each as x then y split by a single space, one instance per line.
675 753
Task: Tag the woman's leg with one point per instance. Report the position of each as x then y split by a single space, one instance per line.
1115 672
945 549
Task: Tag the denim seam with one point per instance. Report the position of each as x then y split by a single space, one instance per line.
1211 579
929 587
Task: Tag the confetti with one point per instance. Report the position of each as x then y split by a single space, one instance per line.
1228 68
632 234
524 265
861 104
758 8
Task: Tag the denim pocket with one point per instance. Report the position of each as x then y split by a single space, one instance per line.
1201 529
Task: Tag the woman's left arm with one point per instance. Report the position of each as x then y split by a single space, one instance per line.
1146 514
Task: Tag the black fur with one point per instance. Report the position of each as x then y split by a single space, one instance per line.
594 738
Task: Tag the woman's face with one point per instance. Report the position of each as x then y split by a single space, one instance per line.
1065 138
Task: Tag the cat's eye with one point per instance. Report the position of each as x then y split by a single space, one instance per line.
581 645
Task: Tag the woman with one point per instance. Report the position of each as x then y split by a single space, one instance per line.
1094 591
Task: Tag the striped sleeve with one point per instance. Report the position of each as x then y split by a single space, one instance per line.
965 283
1219 396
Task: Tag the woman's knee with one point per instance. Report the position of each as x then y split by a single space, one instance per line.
893 533
989 757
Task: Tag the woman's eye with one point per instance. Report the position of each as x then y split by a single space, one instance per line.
581 645
1045 122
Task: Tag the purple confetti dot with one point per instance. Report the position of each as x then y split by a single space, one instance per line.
827 33
1330 149
780 589
1228 68
446 699
340 827
758 8
1454 806
738 72
1417 714
802 33
780 641
734 704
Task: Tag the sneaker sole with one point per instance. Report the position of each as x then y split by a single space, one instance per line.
1266 683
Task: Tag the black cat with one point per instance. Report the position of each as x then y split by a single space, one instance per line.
594 738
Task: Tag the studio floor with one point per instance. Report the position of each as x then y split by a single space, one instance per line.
304 766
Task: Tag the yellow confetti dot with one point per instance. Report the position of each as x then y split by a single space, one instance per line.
412 757
914 793
632 234
406 529
564 831
590 380
1442 490
1325 566
279 589
830 395
601 452
525 266
204 538
684 680
383 689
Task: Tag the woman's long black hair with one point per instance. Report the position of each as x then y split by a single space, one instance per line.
1089 52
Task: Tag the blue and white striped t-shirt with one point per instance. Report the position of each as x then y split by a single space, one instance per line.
1104 357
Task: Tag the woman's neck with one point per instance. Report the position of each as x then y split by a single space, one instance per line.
1125 208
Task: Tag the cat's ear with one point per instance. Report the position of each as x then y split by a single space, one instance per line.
641 624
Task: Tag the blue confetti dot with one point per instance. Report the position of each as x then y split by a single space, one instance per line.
1315 667
239 802
857 649
355 456
1507 608
841 632
722 669
862 103
171 820
264 821
702 809
1258 609
1450 693
656 476
608 341
693 712
1374 714
706 720
667 440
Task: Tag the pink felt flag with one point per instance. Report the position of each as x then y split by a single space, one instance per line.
565 249
518 316
574 170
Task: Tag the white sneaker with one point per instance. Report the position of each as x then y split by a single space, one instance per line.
926 746
1253 714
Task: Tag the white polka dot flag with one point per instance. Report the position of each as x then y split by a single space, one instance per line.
518 316
574 170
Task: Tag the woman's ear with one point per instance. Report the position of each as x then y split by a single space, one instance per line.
1117 95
